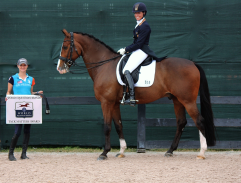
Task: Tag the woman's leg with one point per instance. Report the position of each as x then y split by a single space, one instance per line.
25 141
136 58
14 141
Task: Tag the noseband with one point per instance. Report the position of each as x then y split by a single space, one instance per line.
69 60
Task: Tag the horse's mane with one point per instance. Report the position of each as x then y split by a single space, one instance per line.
85 34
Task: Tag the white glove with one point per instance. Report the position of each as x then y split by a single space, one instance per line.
121 51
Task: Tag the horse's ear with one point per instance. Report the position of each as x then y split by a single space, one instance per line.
65 32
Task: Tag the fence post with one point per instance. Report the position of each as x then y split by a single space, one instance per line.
141 129
0 124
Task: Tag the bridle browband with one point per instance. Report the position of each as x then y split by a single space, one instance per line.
65 59
71 62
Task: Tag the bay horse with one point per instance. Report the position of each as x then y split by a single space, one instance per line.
178 78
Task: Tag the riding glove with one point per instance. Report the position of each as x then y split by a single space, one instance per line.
121 51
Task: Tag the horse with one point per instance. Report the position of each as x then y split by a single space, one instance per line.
177 78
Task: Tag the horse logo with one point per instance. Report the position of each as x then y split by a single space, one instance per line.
25 105
24 109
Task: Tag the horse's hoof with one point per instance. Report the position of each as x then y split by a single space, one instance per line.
168 154
200 157
119 155
102 157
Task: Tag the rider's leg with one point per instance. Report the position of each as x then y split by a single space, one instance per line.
131 101
136 58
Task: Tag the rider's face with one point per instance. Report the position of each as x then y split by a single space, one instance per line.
139 15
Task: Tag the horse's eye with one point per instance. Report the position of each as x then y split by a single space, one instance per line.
65 47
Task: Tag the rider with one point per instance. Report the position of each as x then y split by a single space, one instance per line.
139 49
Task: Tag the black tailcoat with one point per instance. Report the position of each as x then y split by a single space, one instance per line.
141 40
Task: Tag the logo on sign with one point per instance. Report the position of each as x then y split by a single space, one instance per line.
24 109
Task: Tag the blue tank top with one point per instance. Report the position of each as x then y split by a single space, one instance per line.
21 87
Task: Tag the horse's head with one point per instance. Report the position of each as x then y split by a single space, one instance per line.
70 51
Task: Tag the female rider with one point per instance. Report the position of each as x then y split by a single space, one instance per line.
139 49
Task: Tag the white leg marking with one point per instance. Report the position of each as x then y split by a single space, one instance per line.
122 146
203 145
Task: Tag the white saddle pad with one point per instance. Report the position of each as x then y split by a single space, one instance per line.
146 76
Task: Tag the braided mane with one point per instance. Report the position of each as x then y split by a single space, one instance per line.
91 36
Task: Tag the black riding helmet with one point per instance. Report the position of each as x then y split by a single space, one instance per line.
138 7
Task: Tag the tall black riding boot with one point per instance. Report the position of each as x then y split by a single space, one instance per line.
131 101
12 147
25 146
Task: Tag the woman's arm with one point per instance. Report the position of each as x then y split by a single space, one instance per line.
144 33
9 91
10 87
32 92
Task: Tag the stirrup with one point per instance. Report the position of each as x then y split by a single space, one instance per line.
130 102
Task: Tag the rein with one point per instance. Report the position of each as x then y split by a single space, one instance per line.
73 63
100 64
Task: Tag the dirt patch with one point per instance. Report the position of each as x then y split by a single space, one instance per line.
135 167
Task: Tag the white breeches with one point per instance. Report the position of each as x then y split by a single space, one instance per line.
136 58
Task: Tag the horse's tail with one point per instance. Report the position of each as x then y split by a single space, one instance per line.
206 109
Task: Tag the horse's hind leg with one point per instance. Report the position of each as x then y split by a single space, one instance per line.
192 110
181 122
203 146
119 130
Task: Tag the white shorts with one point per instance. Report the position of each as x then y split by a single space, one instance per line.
136 58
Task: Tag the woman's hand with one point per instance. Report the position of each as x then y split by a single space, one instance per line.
121 51
6 96
40 92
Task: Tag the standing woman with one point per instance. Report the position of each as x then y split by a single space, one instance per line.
139 49
21 84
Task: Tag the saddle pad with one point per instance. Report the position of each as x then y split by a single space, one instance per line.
146 75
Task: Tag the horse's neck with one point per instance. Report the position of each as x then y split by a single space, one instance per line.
94 52
101 68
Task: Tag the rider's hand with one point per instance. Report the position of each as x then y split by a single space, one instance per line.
121 51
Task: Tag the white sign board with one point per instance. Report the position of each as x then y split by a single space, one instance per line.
24 109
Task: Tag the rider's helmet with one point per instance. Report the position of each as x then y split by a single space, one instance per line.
138 7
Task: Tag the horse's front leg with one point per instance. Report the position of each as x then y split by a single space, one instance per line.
107 110
119 130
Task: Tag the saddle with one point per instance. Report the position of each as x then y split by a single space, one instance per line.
135 73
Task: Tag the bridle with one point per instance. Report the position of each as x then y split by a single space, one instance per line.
69 60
